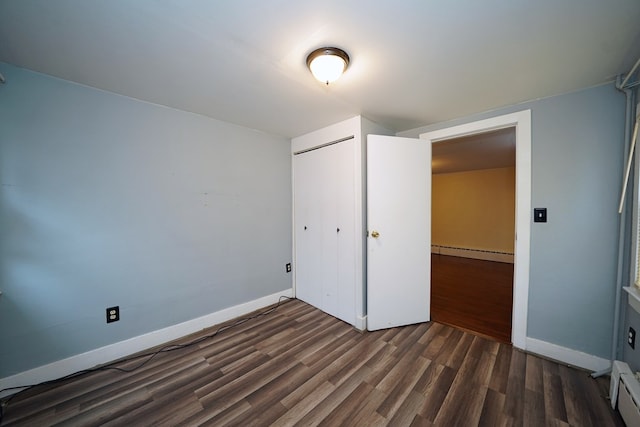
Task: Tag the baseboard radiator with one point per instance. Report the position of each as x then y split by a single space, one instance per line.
472 253
625 393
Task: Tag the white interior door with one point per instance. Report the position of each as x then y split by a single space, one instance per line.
399 231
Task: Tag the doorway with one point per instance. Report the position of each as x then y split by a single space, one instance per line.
521 121
473 232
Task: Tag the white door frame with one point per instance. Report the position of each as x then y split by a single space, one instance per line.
522 122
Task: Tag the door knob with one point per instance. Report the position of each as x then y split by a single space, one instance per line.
375 234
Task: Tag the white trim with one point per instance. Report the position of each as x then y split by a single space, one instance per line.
522 122
325 135
635 225
361 323
358 234
294 264
567 355
133 345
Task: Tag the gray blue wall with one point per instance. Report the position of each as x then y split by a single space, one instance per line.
106 200
577 155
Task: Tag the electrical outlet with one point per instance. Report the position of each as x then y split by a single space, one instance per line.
631 338
288 267
113 314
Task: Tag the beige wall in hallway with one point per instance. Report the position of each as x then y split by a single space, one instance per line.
474 209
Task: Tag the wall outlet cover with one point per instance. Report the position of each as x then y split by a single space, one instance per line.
113 314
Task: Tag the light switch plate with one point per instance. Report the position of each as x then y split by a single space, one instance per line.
539 214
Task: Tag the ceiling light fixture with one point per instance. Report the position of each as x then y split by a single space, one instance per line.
327 63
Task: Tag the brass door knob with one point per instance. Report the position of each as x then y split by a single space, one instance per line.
375 234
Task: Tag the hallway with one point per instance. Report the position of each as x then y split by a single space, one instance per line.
472 294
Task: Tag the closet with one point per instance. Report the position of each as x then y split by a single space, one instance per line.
329 221
343 176
325 234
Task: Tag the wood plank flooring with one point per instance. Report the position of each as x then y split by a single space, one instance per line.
300 366
472 294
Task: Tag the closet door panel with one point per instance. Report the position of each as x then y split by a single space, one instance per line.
330 179
345 200
308 228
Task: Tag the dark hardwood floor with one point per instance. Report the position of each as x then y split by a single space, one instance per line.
472 294
300 366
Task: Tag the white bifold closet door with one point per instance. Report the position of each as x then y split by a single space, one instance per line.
325 235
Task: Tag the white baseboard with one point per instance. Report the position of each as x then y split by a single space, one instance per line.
133 345
567 355
361 323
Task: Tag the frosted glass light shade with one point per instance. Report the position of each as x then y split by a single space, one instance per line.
328 63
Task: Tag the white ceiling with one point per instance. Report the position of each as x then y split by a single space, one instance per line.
414 62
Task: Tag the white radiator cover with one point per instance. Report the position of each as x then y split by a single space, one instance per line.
625 392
